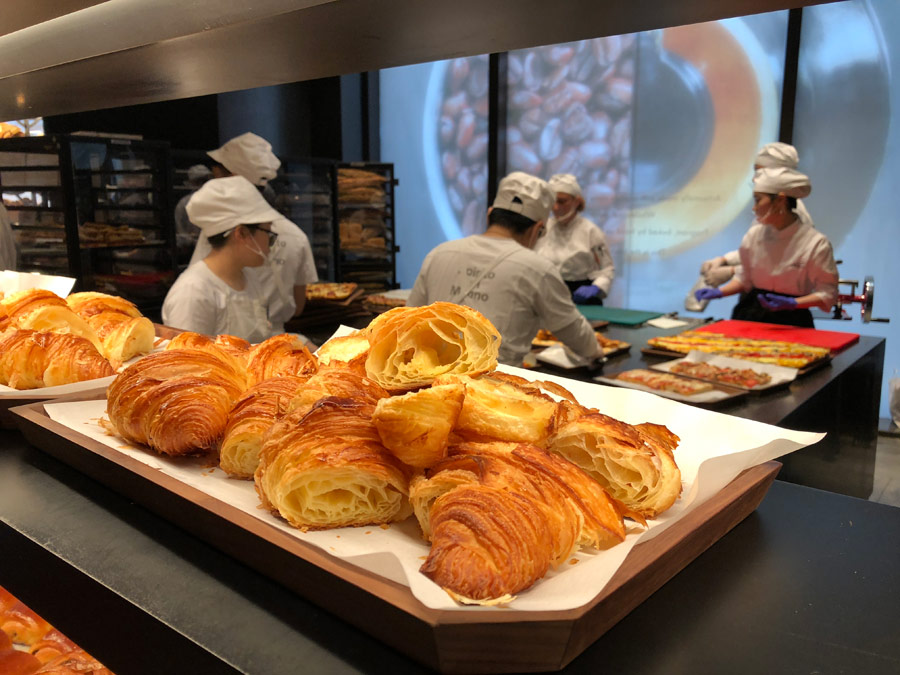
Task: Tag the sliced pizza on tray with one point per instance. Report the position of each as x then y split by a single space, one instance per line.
328 290
664 382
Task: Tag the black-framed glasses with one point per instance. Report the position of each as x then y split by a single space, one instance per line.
272 235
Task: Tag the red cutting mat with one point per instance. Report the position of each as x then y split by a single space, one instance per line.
833 340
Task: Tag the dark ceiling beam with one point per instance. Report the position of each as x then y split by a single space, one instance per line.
333 38
17 14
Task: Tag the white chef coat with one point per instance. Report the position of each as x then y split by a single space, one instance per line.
521 295
733 258
797 260
7 242
579 250
290 264
200 301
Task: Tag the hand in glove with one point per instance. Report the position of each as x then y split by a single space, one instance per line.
777 303
712 263
585 293
717 276
707 293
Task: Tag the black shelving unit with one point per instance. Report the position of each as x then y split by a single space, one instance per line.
93 208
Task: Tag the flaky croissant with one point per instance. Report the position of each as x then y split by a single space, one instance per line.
88 303
499 408
636 464
410 346
416 426
19 303
350 349
32 360
175 401
123 337
284 354
334 380
474 556
57 319
328 468
227 348
249 420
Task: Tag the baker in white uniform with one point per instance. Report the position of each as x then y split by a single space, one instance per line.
7 242
290 266
575 245
716 271
217 295
498 274
787 266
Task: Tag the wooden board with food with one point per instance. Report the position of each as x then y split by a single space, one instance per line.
330 291
610 347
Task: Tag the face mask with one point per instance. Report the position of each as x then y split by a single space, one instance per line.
567 216
253 246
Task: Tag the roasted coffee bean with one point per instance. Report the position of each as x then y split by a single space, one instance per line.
551 143
464 182
531 123
577 124
450 164
594 154
466 129
477 148
523 158
454 105
446 128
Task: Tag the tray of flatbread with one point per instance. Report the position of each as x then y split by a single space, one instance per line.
804 358
610 347
749 375
675 387
333 292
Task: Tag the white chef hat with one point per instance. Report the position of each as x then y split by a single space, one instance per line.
565 182
250 156
526 195
224 203
777 154
781 179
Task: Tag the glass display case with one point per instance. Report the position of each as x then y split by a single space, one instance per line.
93 208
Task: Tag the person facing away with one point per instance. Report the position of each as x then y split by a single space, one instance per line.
216 295
499 275
290 266
576 245
787 266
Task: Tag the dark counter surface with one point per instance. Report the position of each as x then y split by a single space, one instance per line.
810 582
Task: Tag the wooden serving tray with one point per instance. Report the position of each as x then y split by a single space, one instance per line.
494 641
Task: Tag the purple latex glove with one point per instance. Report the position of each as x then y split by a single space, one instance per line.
775 302
585 293
707 293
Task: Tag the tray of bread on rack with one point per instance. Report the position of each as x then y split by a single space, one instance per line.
466 513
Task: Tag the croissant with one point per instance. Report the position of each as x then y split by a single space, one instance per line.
32 360
279 355
327 468
123 337
250 418
339 382
636 464
89 303
57 319
227 348
350 349
501 409
416 426
175 401
16 304
410 346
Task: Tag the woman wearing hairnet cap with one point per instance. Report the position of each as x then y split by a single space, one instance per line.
216 296
786 265
575 245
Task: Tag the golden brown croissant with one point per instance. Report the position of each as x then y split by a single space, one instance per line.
32 360
350 349
250 418
123 337
327 468
228 348
416 426
336 381
89 303
175 401
500 409
635 464
410 346
19 303
279 355
57 319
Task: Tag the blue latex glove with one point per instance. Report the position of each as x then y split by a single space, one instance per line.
585 293
707 293
777 303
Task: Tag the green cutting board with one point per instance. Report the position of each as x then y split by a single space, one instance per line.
626 317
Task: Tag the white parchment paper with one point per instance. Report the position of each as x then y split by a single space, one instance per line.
714 449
